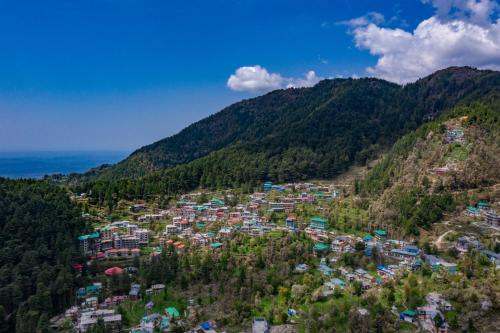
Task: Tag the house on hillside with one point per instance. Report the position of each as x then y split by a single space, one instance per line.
473 211
466 243
260 325
291 222
135 291
318 223
380 235
408 315
409 252
90 244
492 219
111 319
267 186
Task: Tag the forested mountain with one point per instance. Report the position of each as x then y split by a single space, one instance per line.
344 116
291 134
38 244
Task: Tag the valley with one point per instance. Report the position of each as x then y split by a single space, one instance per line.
384 226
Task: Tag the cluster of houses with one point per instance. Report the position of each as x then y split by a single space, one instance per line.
120 239
191 221
88 311
454 135
165 322
404 256
436 305
491 218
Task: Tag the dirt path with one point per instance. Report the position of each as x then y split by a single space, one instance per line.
439 241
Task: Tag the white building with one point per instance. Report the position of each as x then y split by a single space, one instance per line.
142 235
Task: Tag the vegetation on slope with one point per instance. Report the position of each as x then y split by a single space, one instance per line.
337 122
291 135
38 230
406 191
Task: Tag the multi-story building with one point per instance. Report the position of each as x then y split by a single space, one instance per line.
125 242
131 228
492 219
111 320
318 223
171 230
90 244
107 232
142 235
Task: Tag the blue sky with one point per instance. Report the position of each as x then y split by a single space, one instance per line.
119 74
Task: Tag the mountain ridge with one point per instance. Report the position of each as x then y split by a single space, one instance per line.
339 121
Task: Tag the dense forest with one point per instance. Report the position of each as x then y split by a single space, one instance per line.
38 245
289 134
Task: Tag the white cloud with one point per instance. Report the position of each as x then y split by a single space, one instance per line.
258 79
254 78
310 80
478 12
371 17
461 33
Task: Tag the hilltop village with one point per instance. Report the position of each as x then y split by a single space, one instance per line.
343 254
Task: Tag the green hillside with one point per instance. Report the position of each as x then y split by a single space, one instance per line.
38 229
423 176
290 134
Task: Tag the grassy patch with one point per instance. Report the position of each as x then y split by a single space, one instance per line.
458 153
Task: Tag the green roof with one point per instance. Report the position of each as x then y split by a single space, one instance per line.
217 201
216 245
318 220
380 232
89 236
321 247
91 289
172 312
483 204
410 313
200 225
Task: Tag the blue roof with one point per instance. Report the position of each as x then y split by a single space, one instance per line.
206 326
491 254
403 252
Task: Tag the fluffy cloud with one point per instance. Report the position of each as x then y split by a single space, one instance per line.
258 79
462 32
254 78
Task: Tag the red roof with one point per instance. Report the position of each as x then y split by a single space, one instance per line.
78 266
113 271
